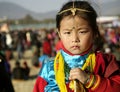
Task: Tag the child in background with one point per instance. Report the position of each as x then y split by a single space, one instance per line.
78 65
18 72
26 70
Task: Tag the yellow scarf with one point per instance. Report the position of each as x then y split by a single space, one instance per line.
60 75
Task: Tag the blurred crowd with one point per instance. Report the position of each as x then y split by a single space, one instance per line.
44 44
111 40
39 42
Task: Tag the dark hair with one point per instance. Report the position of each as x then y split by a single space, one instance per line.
88 16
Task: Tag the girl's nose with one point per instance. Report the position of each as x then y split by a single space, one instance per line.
75 37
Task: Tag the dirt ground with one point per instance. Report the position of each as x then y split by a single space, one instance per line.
25 85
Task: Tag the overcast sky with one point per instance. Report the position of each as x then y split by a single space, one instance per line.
45 5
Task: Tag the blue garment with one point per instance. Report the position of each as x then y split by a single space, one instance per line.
43 58
74 61
47 71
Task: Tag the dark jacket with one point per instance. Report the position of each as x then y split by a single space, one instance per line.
5 81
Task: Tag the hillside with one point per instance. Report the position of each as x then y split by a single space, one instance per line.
13 11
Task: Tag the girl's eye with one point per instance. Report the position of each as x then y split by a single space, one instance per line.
83 31
67 32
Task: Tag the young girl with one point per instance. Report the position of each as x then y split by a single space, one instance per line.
78 67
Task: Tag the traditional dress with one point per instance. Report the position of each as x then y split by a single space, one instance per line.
53 76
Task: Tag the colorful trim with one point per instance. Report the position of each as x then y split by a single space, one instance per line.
90 82
97 82
90 63
59 72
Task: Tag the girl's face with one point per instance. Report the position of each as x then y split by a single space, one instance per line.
75 34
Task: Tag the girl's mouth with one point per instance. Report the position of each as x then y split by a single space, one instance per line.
75 47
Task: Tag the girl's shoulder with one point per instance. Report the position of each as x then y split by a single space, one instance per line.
105 59
108 57
108 62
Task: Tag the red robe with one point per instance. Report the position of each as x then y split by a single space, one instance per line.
106 68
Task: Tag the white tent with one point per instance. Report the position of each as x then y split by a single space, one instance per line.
104 19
